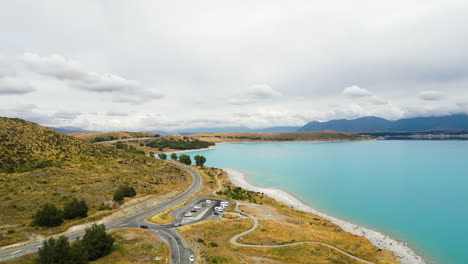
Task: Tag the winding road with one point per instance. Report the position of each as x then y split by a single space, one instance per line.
179 250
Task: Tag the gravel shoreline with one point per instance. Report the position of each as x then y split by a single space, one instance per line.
405 254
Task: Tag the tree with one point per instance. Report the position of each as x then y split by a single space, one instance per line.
124 191
48 215
151 154
185 159
173 156
120 145
162 156
59 251
75 209
200 160
97 242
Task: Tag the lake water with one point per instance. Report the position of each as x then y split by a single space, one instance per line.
416 191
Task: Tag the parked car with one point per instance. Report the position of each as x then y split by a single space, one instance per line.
176 224
208 201
144 226
192 257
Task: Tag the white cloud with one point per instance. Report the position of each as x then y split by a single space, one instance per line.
253 94
356 91
6 69
74 73
13 86
431 95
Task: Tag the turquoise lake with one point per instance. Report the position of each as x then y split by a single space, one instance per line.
416 191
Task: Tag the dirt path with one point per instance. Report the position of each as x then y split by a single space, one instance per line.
233 240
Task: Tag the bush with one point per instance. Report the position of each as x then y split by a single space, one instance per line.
48 215
75 209
162 156
124 191
97 242
11 231
59 251
173 156
185 159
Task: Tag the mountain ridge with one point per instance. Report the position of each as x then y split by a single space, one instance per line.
373 124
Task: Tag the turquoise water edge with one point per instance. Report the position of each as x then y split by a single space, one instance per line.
416 191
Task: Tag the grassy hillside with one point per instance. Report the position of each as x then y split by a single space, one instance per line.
39 165
91 137
281 136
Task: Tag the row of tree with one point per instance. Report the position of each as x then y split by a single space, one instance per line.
49 215
95 244
199 160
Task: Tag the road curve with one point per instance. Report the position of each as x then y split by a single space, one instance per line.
176 242
233 239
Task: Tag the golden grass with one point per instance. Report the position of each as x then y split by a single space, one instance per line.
228 215
136 246
281 136
49 167
165 217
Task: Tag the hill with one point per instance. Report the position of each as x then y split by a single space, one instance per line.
372 124
70 130
39 165
105 136
239 129
287 136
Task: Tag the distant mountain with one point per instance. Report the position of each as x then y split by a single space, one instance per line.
240 129
277 129
71 130
372 124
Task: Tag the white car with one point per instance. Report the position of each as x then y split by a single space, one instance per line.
188 214
208 201
197 207
219 208
192 257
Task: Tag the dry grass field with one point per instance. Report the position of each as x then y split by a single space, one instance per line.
281 136
39 165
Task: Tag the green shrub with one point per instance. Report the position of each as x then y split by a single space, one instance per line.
59 251
97 242
124 191
48 215
75 209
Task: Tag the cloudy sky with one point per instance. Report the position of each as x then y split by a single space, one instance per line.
144 65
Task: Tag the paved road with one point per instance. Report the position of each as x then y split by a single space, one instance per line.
179 250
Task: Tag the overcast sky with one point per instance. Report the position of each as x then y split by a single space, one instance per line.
145 65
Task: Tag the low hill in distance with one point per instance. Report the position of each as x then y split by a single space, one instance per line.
71 130
286 136
372 124
39 165
240 129
107 136
160 144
